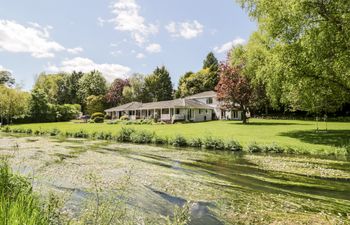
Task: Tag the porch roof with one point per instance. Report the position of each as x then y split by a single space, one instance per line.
125 107
176 103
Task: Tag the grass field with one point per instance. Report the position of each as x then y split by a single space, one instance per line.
291 133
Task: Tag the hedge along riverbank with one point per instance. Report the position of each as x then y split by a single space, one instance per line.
130 135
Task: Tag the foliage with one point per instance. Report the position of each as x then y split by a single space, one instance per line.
234 89
51 85
253 147
95 104
92 84
114 94
99 120
18 205
125 117
6 78
204 80
213 143
233 145
68 92
135 91
141 137
14 103
97 114
158 85
301 52
178 141
125 134
39 105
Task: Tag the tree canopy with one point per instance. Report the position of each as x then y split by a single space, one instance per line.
158 85
302 52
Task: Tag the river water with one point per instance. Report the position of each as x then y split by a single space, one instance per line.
218 187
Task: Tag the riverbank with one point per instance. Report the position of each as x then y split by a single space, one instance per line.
279 136
211 187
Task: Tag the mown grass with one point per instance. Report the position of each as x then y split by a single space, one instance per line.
287 133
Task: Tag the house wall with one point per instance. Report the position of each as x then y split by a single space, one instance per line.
214 104
202 115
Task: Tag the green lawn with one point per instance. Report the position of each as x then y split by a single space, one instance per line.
293 133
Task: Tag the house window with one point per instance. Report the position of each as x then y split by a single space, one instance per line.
235 114
200 111
209 100
165 111
177 111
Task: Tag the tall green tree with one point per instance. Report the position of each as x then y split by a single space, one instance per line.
14 103
6 78
95 104
39 105
204 80
92 83
307 46
68 91
211 62
135 90
158 85
51 84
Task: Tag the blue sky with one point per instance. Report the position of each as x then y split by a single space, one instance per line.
117 37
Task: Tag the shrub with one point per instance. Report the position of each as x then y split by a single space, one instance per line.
178 141
124 134
274 148
98 120
254 148
29 131
6 129
80 134
54 132
195 142
234 146
159 140
125 117
108 117
212 143
147 121
141 137
97 114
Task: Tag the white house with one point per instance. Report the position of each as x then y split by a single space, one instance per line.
200 107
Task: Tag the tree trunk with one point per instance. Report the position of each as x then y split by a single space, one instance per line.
244 116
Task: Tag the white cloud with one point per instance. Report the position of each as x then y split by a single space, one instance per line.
110 71
154 48
33 39
227 46
187 30
140 56
76 50
127 18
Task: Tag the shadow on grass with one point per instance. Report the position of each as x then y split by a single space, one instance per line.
267 124
338 138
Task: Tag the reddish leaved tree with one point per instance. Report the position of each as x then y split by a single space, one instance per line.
234 89
114 95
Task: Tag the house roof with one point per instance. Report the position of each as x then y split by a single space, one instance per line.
128 106
206 94
188 102
180 103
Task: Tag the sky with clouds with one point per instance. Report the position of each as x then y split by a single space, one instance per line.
116 37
